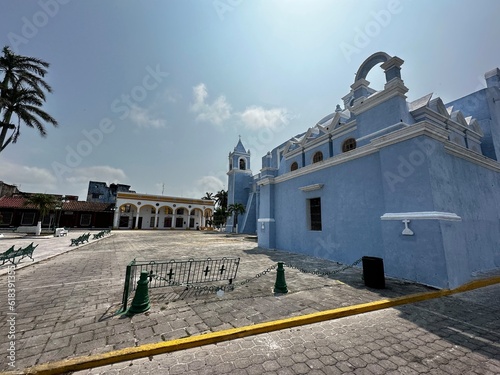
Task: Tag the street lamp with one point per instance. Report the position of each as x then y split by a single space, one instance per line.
59 207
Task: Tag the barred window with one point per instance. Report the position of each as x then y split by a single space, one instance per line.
315 213
85 220
318 156
348 145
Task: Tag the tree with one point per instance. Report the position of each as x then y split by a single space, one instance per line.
235 209
42 202
221 198
220 216
208 196
22 94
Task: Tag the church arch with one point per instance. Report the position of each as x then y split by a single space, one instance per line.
242 164
369 63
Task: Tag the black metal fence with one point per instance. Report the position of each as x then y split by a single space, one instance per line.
179 273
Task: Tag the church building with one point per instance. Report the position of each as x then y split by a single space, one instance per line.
416 183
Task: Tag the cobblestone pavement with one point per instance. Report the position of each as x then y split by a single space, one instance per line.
453 335
66 307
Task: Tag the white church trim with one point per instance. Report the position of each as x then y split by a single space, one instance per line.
424 215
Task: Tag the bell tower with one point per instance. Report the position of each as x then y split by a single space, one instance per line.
240 180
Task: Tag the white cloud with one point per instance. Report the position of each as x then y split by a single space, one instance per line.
28 179
210 184
255 117
97 173
142 118
216 112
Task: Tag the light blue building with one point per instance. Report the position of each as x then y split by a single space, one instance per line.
415 183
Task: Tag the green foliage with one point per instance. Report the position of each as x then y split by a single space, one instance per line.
208 196
42 202
236 209
220 216
221 198
22 95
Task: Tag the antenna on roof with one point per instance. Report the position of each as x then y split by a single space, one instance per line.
162 188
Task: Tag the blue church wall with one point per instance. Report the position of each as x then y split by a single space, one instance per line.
476 105
404 168
410 193
464 188
337 142
309 154
419 257
350 212
385 114
457 138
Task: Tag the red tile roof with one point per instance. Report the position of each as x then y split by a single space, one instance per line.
18 202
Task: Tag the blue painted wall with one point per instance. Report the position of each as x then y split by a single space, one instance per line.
415 173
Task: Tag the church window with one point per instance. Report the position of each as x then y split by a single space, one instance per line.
294 166
349 144
242 164
315 214
318 156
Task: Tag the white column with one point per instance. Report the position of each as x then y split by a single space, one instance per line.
156 220
137 219
116 218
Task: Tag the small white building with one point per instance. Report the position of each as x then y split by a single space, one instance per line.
144 211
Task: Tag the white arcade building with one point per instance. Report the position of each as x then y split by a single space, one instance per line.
144 211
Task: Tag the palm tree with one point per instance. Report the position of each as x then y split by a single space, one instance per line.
22 94
221 198
236 209
220 216
42 202
208 196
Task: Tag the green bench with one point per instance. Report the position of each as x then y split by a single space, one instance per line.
6 256
98 235
26 252
11 254
83 238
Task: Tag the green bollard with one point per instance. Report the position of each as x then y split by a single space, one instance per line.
140 303
280 285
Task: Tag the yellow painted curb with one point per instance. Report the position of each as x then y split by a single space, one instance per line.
127 354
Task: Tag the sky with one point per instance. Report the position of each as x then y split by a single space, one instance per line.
156 93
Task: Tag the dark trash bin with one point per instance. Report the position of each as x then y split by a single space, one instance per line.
373 272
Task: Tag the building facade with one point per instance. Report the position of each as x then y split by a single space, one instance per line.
69 213
415 183
101 192
144 211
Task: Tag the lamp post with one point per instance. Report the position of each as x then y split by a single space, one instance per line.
59 208
113 210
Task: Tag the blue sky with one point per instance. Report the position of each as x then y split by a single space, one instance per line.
154 94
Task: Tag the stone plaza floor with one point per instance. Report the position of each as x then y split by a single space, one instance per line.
67 304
